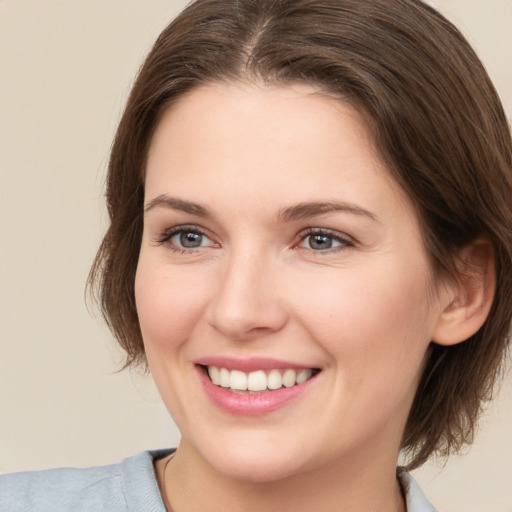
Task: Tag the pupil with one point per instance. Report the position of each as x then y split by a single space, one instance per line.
190 240
320 242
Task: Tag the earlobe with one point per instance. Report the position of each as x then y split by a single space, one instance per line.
470 294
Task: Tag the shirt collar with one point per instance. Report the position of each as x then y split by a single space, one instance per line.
414 497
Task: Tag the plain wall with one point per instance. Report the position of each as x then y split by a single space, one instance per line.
65 69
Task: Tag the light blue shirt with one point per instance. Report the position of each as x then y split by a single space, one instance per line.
130 486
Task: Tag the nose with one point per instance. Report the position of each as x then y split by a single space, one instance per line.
247 303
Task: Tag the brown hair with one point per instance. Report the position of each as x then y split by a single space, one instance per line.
435 117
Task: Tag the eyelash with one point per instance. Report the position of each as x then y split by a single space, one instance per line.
168 234
344 241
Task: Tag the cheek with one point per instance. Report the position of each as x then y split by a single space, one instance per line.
375 332
367 323
168 305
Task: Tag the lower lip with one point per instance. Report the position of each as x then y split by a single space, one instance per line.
251 404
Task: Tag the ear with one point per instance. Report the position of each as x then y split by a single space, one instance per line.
469 295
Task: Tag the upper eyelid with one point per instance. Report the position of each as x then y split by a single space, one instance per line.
187 227
166 234
327 232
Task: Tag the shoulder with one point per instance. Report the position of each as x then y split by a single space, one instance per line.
415 499
62 489
130 485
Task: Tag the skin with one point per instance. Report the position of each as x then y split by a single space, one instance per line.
363 311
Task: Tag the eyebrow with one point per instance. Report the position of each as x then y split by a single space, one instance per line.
174 203
307 210
288 214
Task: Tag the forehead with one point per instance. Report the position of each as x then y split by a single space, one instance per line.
253 99
257 113
282 143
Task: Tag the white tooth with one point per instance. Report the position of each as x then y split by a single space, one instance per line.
224 378
274 379
238 380
257 381
303 375
289 378
214 374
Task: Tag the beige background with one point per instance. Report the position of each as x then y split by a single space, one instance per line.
65 69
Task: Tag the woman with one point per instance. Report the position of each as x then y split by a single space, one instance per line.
310 247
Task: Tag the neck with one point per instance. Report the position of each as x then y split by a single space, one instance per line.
191 484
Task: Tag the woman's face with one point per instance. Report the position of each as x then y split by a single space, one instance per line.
277 248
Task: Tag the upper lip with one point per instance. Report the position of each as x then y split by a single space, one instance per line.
251 364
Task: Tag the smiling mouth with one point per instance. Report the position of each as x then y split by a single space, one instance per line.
259 381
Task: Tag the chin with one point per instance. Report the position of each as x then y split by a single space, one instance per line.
257 470
251 463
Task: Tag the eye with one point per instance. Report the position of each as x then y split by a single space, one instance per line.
184 238
324 240
189 239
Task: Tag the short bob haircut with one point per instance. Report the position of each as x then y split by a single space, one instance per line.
436 120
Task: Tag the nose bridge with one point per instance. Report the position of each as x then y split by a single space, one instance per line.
246 303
